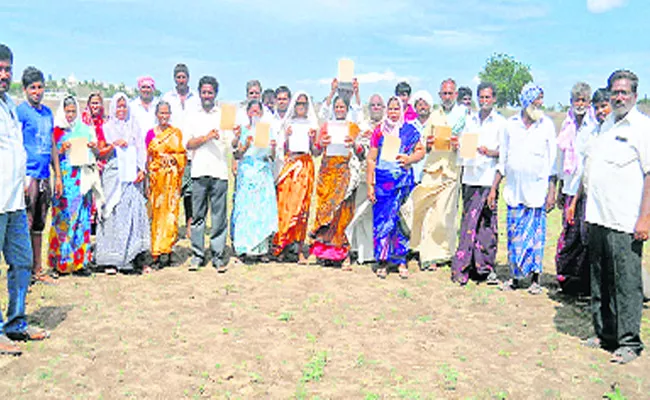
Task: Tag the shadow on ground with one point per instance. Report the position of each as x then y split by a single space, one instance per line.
49 317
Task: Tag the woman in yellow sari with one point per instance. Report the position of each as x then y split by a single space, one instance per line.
166 160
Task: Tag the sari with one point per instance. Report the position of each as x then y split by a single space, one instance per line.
166 165
335 204
97 124
69 237
125 231
253 226
393 185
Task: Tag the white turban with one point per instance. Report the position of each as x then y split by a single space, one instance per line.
422 95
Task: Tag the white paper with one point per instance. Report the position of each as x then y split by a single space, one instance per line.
299 138
337 131
127 163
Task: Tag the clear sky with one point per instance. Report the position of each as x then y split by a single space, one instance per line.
298 43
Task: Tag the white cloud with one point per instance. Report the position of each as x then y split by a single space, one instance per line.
601 6
449 38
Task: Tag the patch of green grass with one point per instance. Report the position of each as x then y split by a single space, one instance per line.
615 394
449 376
403 293
255 377
424 318
285 316
314 370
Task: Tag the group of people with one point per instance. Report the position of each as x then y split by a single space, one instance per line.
387 189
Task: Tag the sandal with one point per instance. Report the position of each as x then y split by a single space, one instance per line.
146 270
31 333
509 286
346 265
535 289
592 342
110 271
44 279
382 272
403 271
624 355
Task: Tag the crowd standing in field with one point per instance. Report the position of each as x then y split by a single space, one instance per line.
387 188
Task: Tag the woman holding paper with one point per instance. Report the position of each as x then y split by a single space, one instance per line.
253 228
124 232
69 247
295 182
335 188
166 159
395 146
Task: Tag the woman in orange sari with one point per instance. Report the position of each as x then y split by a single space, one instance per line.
166 160
295 183
334 190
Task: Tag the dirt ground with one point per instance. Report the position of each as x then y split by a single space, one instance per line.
280 331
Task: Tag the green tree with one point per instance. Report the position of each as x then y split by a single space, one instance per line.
508 75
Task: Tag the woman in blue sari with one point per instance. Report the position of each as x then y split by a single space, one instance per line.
255 212
389 185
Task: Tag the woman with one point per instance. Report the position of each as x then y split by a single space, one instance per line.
166 161
94 116
389 185
69 249
253 227
335 192
125 232
295 182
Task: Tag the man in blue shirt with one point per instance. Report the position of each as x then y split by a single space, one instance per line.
14 235
37 125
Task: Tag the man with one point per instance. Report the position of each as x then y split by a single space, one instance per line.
403 91
435 199
282 100
253 92
37 126
326 111
465 97
144 106
15 242
477 248
359 230
268 99
618 216
571 258
527 159
183 101
209 176
422 102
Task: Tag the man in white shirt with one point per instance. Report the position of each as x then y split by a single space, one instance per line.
183 101
15 242
144 106
571 259
435 199
422 102
209 148
282 100
526 159
618 213
477 247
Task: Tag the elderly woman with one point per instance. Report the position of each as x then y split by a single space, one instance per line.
295 183
166 161
124 232
389 184
253 227
69 249
338 178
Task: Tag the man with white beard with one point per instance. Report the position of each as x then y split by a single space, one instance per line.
527 160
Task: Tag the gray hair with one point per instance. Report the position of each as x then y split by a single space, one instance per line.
163 103
253 83
448 80
580 88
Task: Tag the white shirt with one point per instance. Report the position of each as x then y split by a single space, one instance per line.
180 110
13 159
276 126
571 182
418 167
211 158
481 170
526 159
619 159
146 118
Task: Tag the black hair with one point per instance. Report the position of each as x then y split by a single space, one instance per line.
464 91
282 89
252 103
69 101
599 96
267 93
402 87
345 101
623 74
6 54
486 85
31 75
209 80
181 68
